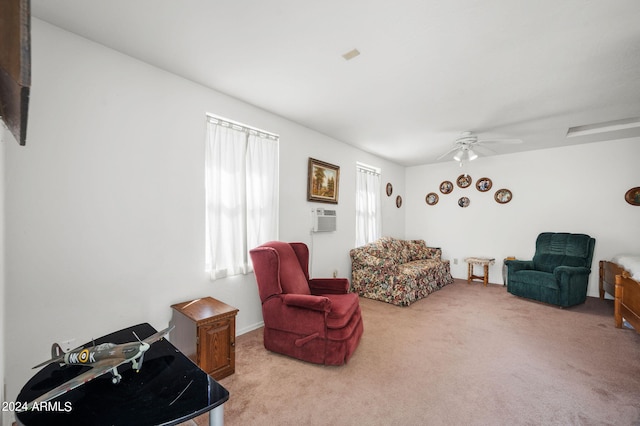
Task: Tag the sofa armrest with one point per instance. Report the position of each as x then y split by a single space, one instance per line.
321 286
307 301
514 266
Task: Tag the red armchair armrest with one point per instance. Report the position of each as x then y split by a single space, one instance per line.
307 301
329 285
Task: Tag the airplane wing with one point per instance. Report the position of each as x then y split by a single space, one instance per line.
57 355
96 370
159 335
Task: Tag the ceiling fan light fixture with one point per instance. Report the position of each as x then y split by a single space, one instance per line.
466 141
465 154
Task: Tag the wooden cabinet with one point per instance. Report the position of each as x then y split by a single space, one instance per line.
205 331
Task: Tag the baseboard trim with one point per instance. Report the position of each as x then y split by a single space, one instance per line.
249 328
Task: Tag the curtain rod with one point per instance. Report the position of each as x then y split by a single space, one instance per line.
367 169
241 127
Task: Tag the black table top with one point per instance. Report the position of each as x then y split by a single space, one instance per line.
168 389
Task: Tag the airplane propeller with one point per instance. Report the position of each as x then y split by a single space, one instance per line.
144 347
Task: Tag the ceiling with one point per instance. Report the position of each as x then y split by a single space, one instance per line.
428 69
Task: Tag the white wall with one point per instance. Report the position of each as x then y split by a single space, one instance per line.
577 189
105 203
329 250
4 139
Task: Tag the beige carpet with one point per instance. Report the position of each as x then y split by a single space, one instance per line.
466 355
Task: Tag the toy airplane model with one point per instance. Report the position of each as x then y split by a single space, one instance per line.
106 357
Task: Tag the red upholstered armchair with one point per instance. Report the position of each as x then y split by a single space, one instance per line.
315 320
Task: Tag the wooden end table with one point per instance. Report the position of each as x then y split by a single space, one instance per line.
482 261
206 333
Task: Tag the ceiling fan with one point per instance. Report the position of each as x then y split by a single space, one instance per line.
466 143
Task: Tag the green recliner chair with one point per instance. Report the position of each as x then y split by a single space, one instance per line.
559 271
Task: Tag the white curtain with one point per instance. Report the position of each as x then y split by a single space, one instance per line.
262 190
241 185
368 214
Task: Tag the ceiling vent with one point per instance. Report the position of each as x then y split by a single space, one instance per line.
351 54
609 126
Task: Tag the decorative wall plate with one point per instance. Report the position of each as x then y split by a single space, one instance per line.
398 201
432 198
446 187
464 180
464 202
389 189
633 196
484 184
503 196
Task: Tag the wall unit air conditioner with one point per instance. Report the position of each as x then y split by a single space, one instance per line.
324 220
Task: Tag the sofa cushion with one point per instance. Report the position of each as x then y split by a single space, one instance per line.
418 268
563 243
549 262
561 249
418 250
536 278
393 249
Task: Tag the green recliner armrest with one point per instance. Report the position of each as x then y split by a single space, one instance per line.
566 272
514 266
572 284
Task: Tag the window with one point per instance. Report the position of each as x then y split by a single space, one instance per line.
368 215
241 185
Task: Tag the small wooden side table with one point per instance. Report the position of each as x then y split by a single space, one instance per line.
482 261
206 333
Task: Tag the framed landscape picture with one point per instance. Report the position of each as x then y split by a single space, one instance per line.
322 182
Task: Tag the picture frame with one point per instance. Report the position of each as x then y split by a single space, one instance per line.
398 201
464 180
323 182
464 202
389 189
446 187
15 66
503 196
431 199
632 196
484 184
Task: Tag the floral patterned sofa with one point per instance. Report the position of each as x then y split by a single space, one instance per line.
398 271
